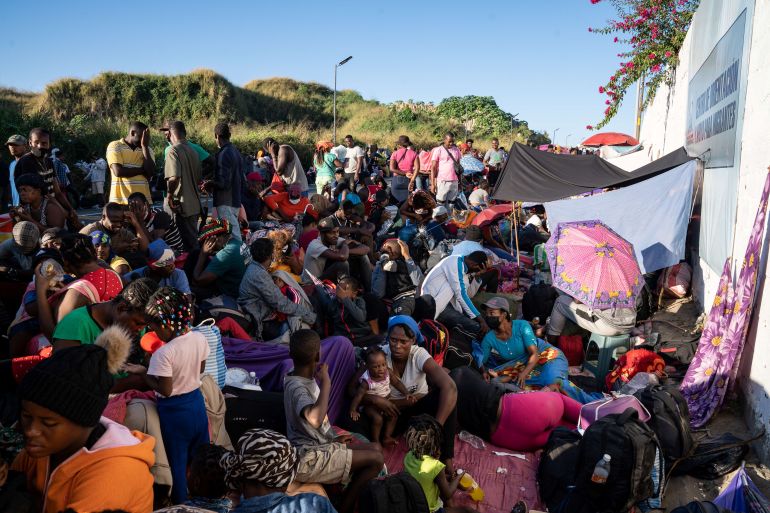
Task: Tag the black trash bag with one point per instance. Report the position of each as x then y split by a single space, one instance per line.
700 507
714 457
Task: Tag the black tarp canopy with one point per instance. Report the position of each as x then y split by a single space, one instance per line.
534 175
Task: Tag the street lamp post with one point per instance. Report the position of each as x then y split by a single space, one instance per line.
334 101
566 141
553 139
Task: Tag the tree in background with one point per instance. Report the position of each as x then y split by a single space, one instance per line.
654 30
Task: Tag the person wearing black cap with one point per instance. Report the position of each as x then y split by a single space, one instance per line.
73 457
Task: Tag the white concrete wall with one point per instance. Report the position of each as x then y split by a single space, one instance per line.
663 130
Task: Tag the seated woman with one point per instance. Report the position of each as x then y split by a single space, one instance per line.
418 211
286 256
434 391
519 357
35 206
104 253
515 421
261 298
95 284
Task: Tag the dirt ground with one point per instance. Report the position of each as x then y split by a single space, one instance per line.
683 489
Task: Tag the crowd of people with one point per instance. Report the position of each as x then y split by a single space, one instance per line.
117 369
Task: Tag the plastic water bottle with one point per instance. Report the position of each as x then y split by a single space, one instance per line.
537 280
473 440
602 470
254 381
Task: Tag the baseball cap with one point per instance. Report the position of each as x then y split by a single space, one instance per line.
326 224
16 140
160 254
497 303
440 211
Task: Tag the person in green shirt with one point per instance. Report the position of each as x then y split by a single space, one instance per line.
423 439
84 324
220 261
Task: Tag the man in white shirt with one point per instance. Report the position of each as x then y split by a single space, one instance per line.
354 161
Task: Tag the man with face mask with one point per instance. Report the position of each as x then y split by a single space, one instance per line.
449 284
396 277
288 206
38 161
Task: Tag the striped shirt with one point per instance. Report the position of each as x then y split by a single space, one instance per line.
119 152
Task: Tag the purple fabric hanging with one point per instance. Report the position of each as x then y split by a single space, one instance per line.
716 362
271 362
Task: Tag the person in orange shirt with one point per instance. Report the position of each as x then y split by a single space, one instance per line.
73 457
286 206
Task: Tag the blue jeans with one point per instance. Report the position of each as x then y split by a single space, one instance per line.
500 253
184 426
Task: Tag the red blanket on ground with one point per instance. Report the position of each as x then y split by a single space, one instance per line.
503 489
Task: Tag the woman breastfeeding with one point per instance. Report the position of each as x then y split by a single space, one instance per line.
431 386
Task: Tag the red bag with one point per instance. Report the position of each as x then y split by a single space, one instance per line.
633 362
572 347
435 339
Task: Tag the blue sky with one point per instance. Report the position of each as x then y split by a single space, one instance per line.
536 58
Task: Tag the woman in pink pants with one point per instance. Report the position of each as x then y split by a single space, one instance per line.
516 421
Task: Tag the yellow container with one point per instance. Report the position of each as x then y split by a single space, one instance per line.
470 485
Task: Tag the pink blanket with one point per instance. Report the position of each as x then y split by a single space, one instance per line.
116 407
503 489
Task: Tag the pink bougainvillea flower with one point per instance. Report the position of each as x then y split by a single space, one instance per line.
589 29
606 102
655 68
595 1
630 65
651 56
615 40
601 90
668 54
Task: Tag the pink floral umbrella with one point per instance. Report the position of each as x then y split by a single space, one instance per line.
594 265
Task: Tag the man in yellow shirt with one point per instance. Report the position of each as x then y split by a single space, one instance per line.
131 164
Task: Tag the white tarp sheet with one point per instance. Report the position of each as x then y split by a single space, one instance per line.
653 215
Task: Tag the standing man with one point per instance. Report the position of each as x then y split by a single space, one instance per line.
38 161
444 179
228 179
494 159
182 171
286 163
354 161
131 164
17 146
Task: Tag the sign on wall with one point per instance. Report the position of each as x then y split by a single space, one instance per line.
713 110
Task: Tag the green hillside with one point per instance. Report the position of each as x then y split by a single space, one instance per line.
86 114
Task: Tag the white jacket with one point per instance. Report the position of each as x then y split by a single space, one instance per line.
448 284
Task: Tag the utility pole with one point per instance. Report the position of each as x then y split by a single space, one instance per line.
639 103
334 101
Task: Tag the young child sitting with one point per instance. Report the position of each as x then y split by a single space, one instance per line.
423 439
377 380
206 480
175 375
323 457
347 313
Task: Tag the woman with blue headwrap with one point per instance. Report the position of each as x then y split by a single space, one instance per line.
435 391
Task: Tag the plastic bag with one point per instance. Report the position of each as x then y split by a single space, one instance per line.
714 457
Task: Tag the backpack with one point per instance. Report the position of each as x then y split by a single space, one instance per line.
397 493
538 302
459 352
556 471
670 420
632 446
435 339
250 409
699 507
